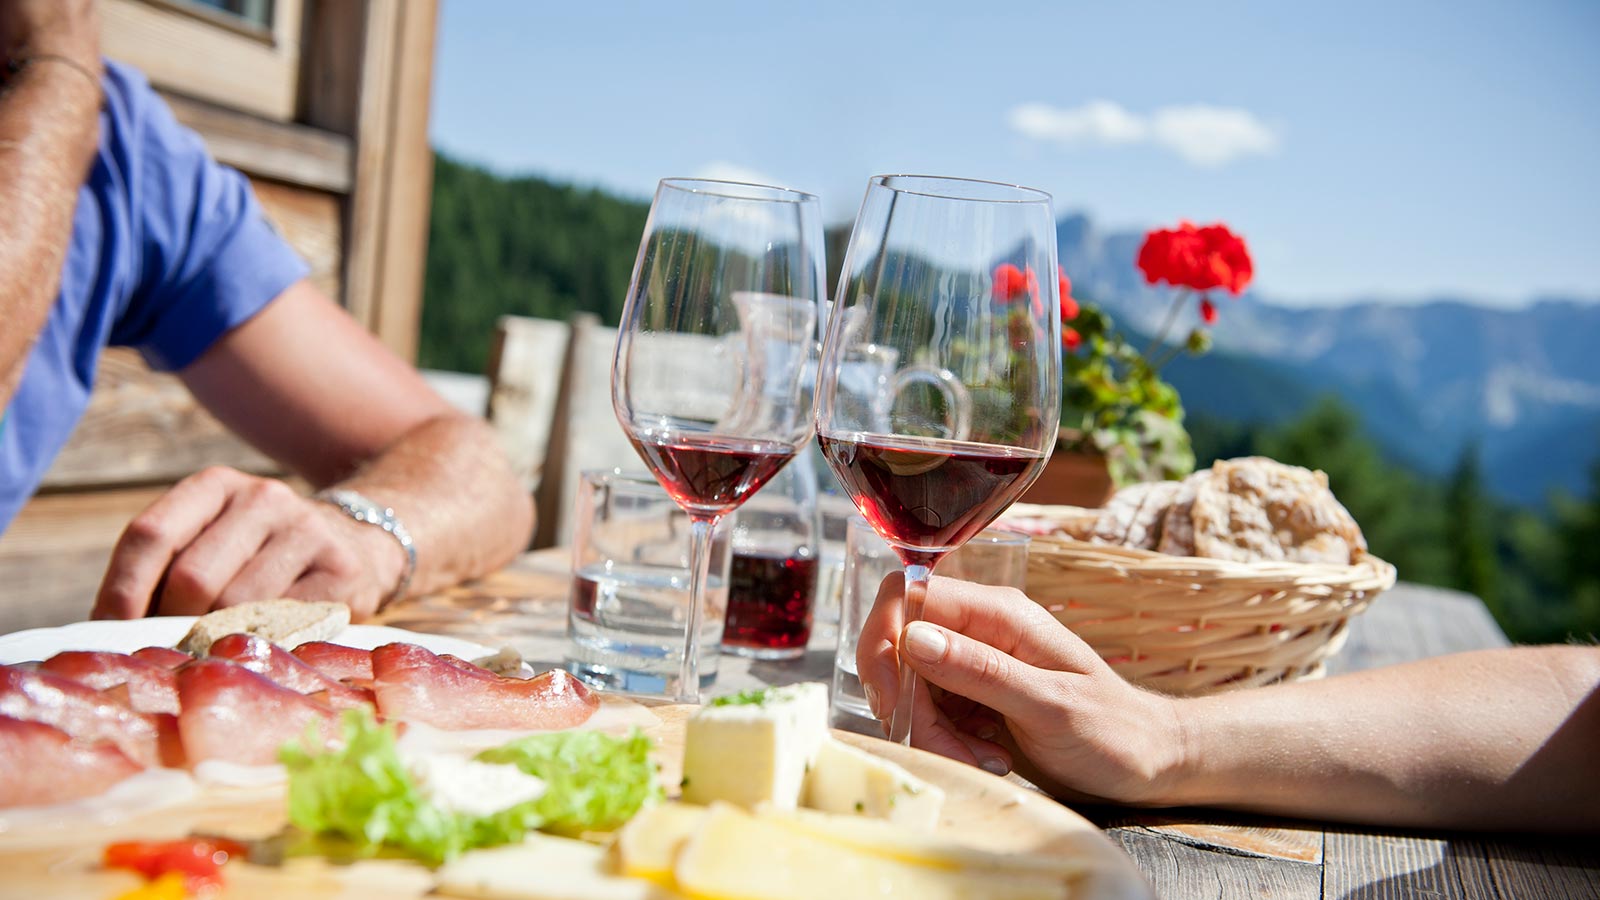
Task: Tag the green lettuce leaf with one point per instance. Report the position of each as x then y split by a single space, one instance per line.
596 782
363 792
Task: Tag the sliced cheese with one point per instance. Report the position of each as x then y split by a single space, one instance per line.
737 855
755 752
648 846
896 842
543 867
848 781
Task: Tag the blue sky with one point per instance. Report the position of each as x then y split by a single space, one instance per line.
1365 149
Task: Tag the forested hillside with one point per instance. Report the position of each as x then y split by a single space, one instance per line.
530 247
518 246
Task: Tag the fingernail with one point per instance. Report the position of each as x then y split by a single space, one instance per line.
872 699
926 642
994 765
987 732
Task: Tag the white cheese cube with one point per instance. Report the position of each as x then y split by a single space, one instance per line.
755 750
849 781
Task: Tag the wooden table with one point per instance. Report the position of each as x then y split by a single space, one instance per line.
1184 853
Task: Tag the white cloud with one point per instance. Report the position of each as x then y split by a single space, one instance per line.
1199 134
721 170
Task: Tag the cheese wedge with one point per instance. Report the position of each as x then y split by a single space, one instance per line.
543 867
881 838
737 855
648 846
849 781
755 750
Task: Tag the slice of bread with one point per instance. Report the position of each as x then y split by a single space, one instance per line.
287 623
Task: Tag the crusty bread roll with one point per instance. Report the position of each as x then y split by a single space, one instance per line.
287 623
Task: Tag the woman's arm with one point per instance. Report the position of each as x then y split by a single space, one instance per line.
1502 739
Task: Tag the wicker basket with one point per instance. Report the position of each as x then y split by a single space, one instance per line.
1187 625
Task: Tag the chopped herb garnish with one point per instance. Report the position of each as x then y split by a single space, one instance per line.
752 697
860 807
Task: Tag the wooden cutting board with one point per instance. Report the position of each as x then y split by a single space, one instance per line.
980 810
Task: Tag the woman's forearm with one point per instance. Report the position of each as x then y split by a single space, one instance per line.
1491 739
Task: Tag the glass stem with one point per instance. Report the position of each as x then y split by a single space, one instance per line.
917 574
700 529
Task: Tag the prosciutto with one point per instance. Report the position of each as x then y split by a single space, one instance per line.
165 657
415 684
45 765
336 660
80 711
152 688
268 659
230 713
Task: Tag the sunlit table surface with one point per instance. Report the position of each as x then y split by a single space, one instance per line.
1185 853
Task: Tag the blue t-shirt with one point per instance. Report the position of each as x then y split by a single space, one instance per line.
169 252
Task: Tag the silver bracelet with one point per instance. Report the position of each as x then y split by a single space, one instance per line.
360 508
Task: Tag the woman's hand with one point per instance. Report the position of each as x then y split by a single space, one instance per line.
1010 670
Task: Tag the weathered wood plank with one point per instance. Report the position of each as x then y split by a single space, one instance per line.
1383 865
1178 870
525 369
311 222
54 552
296 154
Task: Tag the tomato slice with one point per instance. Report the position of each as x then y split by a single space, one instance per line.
198 860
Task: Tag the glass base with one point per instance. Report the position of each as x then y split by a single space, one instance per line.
764 653
629 681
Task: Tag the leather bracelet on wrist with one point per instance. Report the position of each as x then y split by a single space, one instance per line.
369 512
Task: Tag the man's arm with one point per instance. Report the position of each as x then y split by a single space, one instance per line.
48 128
309 387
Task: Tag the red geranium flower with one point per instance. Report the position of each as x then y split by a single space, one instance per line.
1197 258
1031 282
1208 311
1009 283
1071 339
1069 306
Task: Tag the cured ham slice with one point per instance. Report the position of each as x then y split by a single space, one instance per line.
446 692
336 660
166 657
152 688
41 764
80 711
268 659
231 713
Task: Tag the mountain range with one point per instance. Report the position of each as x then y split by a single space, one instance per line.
1429 379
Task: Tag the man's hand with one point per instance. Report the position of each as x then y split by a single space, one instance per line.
69 28
221 537
1011 670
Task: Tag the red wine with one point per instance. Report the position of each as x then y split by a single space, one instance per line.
711 474
926 493
769 601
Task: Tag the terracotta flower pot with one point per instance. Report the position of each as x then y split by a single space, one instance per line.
1073 478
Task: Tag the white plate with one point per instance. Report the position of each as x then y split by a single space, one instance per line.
126 636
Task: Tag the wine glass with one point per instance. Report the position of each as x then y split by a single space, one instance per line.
720 323
953 284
